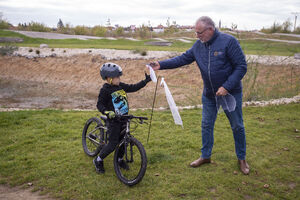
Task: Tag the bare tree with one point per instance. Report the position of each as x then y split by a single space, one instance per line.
60 24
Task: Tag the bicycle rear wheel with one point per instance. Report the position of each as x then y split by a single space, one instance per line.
92 136
136 159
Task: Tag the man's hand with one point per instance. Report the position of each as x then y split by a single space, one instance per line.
110 114
222 92
155 65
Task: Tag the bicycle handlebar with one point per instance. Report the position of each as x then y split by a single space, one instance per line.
131 117
126 117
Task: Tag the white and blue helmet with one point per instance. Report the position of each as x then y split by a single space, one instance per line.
110 70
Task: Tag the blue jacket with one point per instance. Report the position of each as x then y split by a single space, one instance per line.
221 62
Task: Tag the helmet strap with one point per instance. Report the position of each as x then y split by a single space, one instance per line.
109 80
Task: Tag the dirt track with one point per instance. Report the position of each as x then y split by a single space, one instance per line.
17 193
74 82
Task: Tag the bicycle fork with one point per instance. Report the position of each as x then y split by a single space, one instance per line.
126 144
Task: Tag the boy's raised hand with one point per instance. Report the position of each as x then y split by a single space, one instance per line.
147 78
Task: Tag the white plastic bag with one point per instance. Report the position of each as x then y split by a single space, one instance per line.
152 74
172 105
227 102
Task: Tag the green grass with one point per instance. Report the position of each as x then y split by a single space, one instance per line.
259 47
44 147
262 47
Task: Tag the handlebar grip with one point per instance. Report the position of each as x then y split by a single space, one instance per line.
130 117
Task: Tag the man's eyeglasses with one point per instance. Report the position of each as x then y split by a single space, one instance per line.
200 33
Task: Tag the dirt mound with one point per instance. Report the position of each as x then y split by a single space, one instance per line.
74 82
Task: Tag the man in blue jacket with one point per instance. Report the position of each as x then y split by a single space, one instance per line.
222 65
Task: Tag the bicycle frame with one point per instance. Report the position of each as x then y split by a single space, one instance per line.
96 132
124 141
92 139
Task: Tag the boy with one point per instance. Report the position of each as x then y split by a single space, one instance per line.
112 100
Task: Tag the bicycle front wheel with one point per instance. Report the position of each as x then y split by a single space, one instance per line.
133 154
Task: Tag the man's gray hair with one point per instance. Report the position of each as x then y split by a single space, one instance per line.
207 21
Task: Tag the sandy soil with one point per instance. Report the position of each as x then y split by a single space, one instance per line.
17 193
74 82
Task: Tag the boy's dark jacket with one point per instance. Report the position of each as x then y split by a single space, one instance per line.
114 98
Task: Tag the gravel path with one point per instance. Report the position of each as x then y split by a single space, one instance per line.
47 35
281 101
111 54
108 54
288 34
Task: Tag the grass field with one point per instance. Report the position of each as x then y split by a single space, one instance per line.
44 148
259 47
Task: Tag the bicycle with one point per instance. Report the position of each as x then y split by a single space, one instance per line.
95 136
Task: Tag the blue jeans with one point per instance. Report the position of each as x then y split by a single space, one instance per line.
209 116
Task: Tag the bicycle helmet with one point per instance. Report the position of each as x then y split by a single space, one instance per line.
110 70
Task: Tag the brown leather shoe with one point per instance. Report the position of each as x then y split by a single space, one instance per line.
199 162
244 167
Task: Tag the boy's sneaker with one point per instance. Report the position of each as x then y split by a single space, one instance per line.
99 166
123 164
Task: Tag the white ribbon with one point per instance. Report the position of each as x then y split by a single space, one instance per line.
152 74
172 105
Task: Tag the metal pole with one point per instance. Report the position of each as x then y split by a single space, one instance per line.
152 109
295 24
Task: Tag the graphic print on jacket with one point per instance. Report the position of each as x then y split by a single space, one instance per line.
119 100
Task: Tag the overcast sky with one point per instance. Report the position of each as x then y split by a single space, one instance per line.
247 14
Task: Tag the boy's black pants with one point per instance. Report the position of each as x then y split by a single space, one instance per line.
114 128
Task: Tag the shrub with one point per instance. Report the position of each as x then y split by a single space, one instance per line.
99 31
37 52
36 26
8 49
4 24
143 31
297 30
171 30
30 50
285 27
67 29
119 31
82 30
142 52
